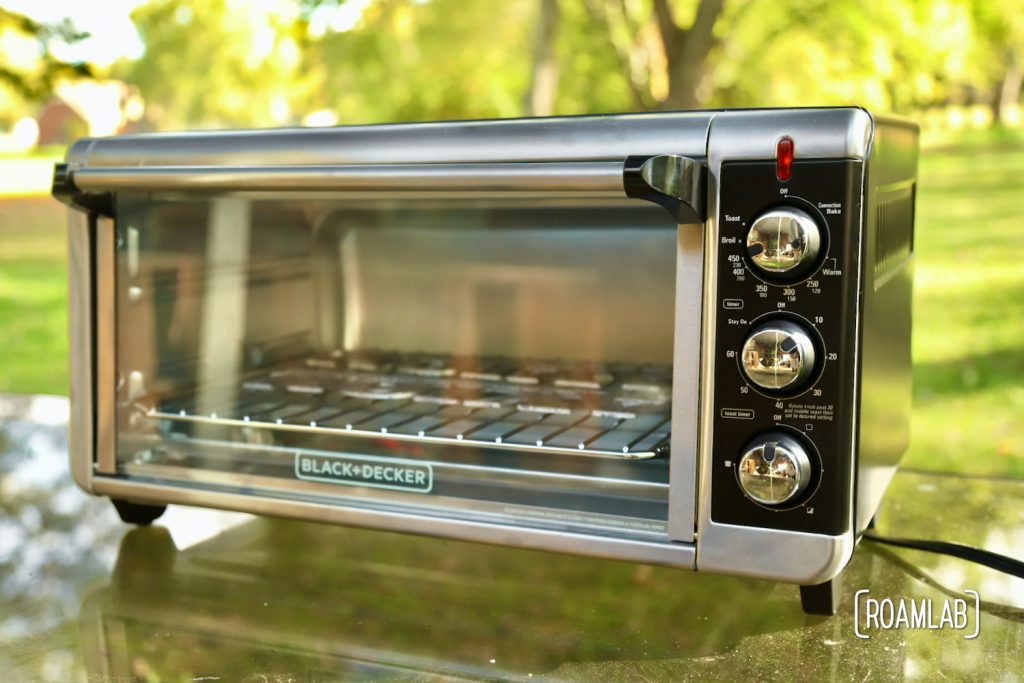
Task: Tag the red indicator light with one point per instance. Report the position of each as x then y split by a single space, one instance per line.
784 159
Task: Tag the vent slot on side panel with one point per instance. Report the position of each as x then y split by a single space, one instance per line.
894 232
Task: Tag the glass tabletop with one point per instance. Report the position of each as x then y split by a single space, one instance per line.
206 595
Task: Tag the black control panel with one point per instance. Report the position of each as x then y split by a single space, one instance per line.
786 342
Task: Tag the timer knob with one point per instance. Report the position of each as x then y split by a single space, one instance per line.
774 469
784 243
778 355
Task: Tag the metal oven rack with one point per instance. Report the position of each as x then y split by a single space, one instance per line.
611 411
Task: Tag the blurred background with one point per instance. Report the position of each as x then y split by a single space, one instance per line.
70 69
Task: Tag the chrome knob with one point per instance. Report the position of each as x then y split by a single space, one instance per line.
784 243
778 356
774 469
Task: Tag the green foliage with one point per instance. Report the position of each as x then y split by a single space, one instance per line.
999 37
34 78
28 68
897 56
439 60
223 63
218 63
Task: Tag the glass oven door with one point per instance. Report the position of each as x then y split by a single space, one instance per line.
478 356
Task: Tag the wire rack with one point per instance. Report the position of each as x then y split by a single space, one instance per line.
613 410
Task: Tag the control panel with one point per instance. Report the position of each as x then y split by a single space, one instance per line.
788 258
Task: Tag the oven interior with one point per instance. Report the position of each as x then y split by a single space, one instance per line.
522 350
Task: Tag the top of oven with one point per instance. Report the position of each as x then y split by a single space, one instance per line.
579 138
841 132
663 158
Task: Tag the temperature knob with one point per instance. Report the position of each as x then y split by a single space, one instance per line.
774 469
778 356
784 243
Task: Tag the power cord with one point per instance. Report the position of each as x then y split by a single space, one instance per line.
996 609
1000 563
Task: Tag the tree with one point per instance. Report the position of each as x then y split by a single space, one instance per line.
412 60
34 77
999 52
663 61
29 70
686 50
540 98
217 63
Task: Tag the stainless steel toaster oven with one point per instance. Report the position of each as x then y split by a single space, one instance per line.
677 338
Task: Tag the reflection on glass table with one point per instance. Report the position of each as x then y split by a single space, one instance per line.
331 603
216 595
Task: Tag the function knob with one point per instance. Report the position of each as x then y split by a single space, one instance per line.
778 356
784 244
774 469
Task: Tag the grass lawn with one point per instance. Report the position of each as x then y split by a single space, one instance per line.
33 296
968 308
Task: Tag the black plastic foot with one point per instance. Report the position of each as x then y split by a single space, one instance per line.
137 513
822 598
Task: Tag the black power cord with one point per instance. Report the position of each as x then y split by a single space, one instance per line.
996 609
1000 563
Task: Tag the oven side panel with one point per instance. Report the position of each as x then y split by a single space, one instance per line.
888 266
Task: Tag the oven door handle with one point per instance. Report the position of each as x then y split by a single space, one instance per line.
676 182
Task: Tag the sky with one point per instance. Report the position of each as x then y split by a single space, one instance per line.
112 34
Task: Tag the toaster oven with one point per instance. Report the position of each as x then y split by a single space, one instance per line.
676 338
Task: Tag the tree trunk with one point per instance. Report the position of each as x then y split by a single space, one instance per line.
1007 93
540 98
687 51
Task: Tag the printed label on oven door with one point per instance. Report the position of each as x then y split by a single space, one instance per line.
365 470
